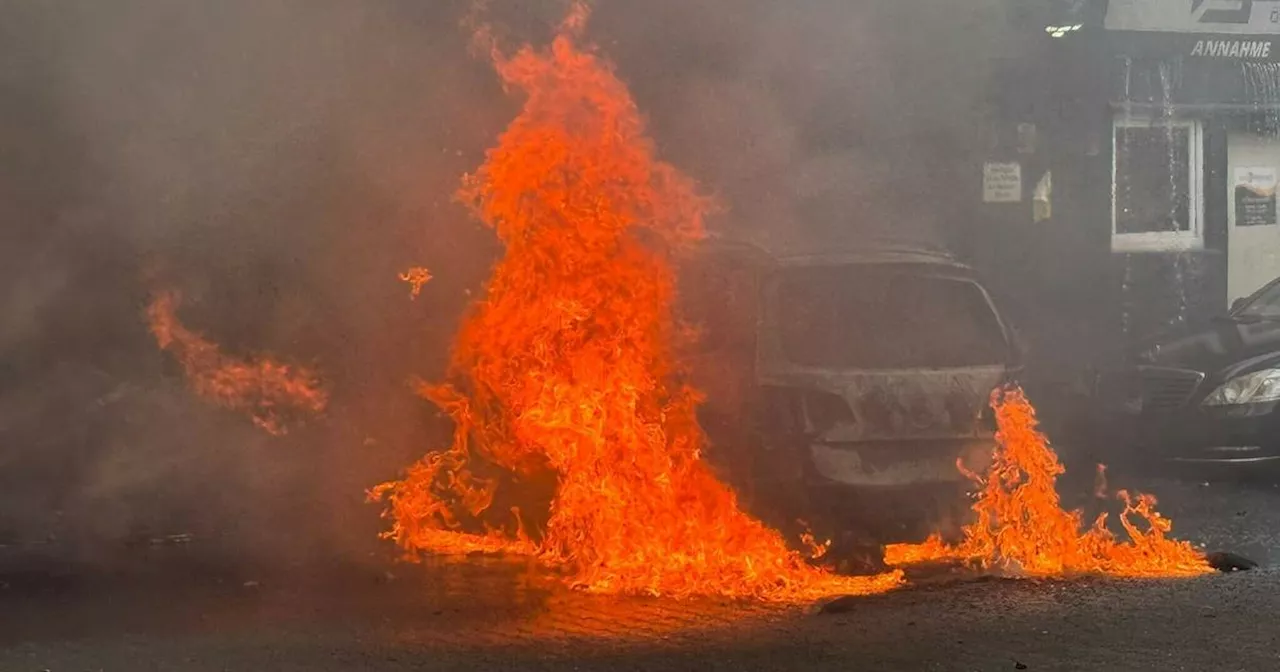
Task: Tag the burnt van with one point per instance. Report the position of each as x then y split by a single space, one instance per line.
858 380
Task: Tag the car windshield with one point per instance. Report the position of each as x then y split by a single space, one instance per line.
1266 304
885 318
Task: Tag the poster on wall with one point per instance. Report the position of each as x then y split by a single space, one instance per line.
1001 182
1256 196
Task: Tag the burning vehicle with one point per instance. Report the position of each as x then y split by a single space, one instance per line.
579 443
1207 393
869 381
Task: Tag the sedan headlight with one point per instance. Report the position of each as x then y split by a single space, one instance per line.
1250 388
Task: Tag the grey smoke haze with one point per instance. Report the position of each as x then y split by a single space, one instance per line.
818 121
280 162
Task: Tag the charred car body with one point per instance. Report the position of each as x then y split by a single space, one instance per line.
1207 393
871 378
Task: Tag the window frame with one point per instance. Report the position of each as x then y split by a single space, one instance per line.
1162 241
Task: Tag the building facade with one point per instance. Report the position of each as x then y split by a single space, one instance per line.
1134 172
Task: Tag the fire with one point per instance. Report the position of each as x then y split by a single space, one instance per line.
416 277
270 392
566 364
1022 527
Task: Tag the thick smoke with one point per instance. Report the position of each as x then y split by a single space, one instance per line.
821 122
280 163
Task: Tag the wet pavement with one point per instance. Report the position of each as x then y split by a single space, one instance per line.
173 611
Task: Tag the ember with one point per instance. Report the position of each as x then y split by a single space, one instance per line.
270 392
1022 527
416 277
566 364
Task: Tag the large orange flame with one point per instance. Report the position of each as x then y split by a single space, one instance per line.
270 392
1022 527
566 364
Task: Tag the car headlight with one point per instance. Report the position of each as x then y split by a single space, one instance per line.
1250 388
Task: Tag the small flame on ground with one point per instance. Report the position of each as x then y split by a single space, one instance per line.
566 364
270 392
817 549
416 277
1022 527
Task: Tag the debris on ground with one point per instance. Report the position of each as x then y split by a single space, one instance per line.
1224 561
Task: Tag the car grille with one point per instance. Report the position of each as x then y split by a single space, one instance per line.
1167 389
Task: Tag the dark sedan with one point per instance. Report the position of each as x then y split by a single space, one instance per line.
1208 393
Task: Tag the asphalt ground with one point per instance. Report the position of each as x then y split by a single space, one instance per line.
169 607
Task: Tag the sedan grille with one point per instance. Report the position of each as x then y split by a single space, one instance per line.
1167 389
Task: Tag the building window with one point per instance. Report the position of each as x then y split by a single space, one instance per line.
1157 196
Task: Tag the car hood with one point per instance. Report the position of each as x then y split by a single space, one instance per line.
1214 346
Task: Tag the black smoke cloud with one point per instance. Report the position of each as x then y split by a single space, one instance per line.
280 162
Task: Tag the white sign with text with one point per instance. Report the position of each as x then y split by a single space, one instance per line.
1001 182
